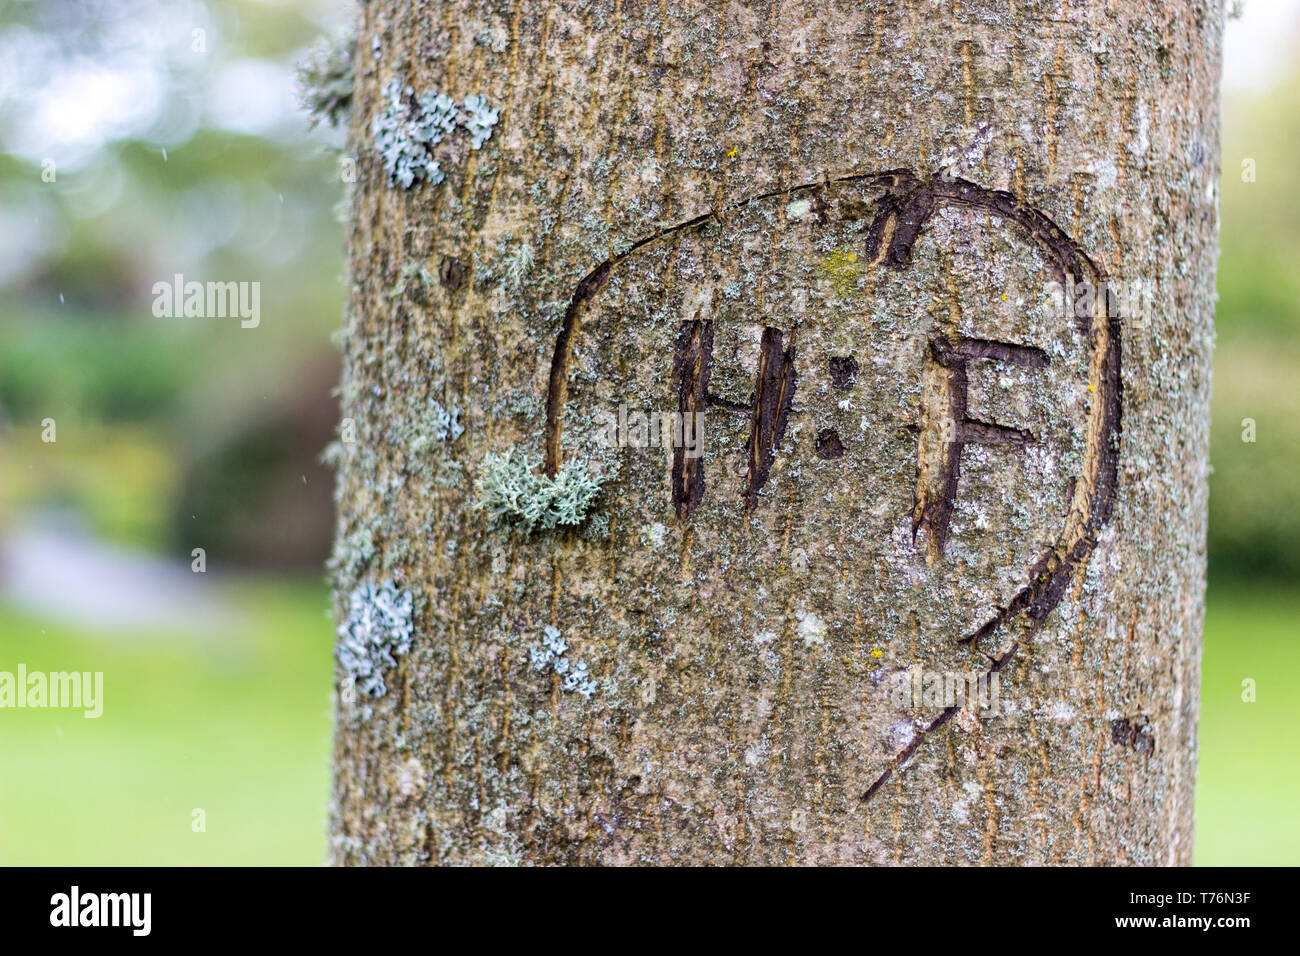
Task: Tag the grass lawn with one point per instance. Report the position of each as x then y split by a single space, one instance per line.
239 728
1248 788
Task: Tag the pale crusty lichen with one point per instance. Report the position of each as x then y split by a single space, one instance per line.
549 656
440 424
376 631
446 422
352 553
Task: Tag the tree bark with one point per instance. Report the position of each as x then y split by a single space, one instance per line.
862 242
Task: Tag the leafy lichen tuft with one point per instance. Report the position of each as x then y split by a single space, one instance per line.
325 81
517 266
510 489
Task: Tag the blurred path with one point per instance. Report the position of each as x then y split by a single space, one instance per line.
54 570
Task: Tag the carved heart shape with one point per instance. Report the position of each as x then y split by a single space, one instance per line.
878 371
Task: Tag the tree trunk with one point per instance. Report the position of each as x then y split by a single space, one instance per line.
931 284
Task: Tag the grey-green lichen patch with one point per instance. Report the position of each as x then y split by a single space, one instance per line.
511 489
478 119
494 37
408 128
396 555
440 424
426 428
595 528
549 656
376 631
352 554
325 81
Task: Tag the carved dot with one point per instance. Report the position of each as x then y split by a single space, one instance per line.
844 371
829 444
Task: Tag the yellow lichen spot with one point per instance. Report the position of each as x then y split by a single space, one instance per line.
1004 297
841 268
877 652
1092 388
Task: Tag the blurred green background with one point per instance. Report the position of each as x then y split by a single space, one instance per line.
177 146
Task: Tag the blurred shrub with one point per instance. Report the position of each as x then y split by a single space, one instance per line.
114 476
1255 487
254 492
108 370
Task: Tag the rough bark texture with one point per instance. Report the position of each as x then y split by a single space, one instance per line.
830 228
